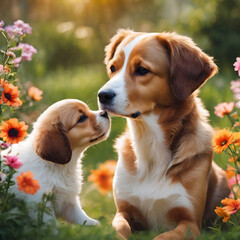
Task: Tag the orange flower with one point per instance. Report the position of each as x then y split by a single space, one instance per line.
10 94
236 136
109 164
7 70
231 205
236 124
230 172
223 109
35 93
235 115
2 82
27 184
222 140
13 131
222 213
232 159
103 177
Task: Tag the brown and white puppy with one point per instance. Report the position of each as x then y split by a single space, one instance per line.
165 176
53 151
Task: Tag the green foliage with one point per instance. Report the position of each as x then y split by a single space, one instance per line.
69 66
16 221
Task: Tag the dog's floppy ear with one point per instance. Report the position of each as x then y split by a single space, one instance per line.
114 42
189 66
52 144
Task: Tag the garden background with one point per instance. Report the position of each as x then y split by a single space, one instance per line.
70 36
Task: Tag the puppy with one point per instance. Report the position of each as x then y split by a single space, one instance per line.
165 176
53 151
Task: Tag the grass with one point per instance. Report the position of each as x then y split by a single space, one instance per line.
83 83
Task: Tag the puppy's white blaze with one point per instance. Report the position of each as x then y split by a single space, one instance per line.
155 195
117 83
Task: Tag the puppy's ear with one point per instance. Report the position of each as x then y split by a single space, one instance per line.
114 42
52 144
189 66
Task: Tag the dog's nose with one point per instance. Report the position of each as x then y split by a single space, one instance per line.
106 96
104 114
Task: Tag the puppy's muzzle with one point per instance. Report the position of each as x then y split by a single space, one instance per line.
104 114
106 96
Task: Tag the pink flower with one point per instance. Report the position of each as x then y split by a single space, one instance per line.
18 28
11 54
232 181
235 86
13 161
1 24
25 27
2 177
27 51
4 145
223 109
17 61
13 31
237 65
1 68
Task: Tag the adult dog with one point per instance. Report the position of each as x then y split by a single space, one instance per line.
165 176
53 151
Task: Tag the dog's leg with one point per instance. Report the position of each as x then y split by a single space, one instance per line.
121 224
184 230
128 219
72 211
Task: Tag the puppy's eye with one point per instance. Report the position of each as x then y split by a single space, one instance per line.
82 119
113 69
141 71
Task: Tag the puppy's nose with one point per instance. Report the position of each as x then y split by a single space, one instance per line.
106 96
104 114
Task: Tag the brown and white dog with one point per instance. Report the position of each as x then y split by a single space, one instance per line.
165 176
53 152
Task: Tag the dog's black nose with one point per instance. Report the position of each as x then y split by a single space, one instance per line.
104 114
106 96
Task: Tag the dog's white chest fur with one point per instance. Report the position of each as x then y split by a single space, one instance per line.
149 189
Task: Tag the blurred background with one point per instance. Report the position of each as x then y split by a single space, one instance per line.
70 36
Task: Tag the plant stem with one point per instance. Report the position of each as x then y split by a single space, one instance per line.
230 119
8 185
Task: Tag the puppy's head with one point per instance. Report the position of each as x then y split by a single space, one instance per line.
68 125
149 69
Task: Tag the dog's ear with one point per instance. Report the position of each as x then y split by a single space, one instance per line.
189 66
114 42
52 144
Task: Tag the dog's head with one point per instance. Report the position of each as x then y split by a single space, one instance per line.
149 69
66 126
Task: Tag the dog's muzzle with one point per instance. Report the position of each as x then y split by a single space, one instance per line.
106 96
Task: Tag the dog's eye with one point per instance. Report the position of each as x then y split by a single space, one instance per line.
83 118
113 69
141 71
